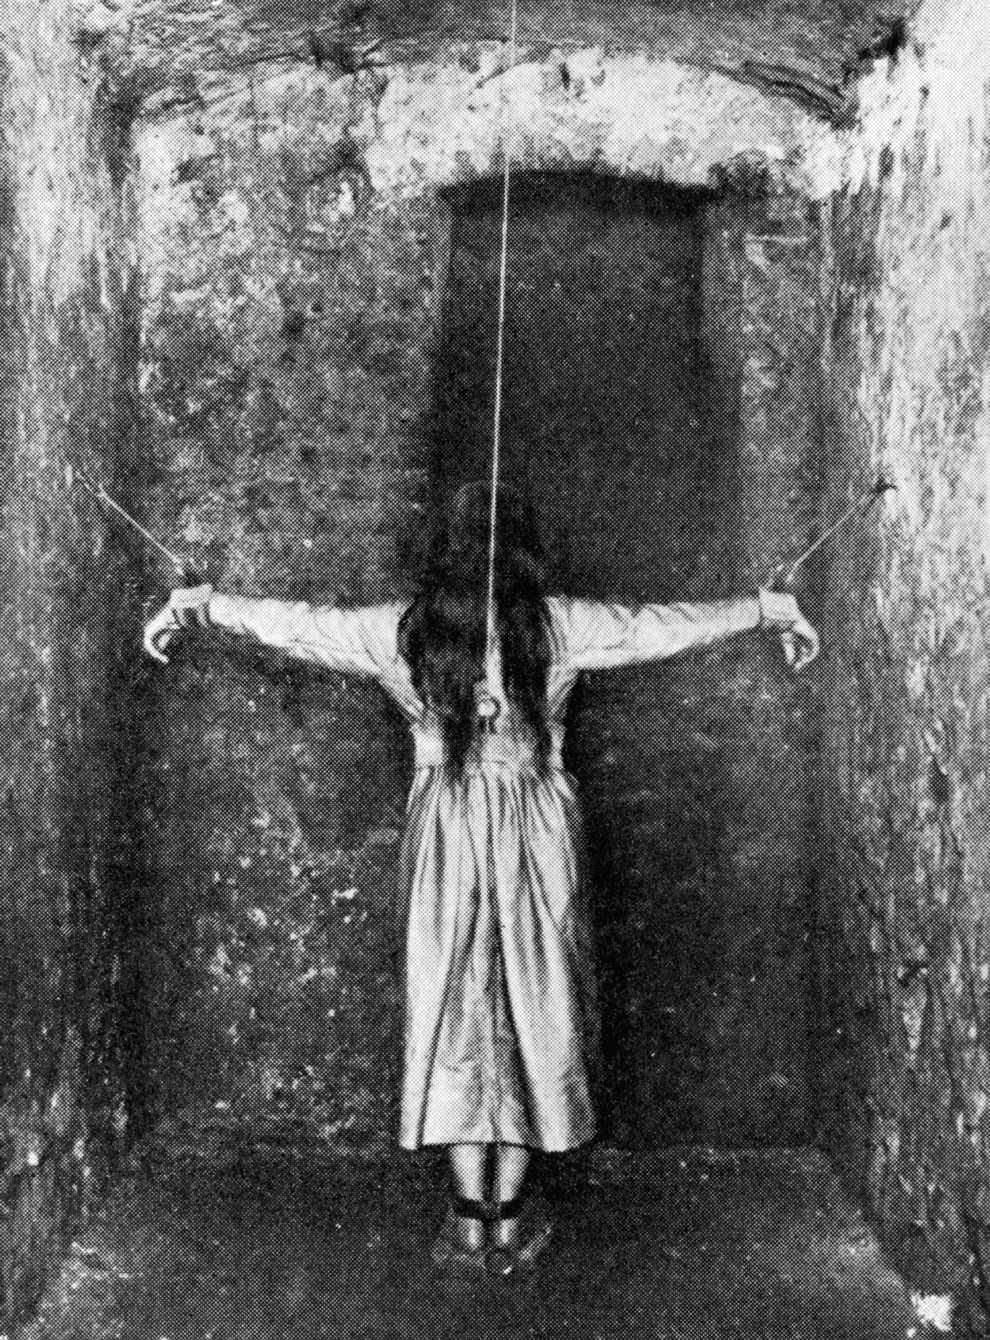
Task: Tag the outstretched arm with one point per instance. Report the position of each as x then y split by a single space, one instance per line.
355 641
599 635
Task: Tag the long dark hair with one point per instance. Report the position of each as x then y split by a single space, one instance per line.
442 634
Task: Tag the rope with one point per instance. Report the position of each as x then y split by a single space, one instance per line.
101 495
490 631
500 351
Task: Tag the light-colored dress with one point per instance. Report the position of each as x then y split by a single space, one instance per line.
500 1021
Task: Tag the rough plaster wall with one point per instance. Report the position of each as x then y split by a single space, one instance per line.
765 314
803 51
288 313
906 872
628 114
62 296
294 254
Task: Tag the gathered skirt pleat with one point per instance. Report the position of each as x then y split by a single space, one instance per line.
500 1030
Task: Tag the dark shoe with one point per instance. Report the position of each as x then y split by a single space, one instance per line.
531 1232
449 1252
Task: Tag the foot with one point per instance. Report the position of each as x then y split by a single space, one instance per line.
460 1245
520 1235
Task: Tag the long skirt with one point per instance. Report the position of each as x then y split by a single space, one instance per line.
500 1025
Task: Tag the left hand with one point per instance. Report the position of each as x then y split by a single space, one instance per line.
801 643
187 607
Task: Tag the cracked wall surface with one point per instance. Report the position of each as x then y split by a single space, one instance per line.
62 383
905 864
809 53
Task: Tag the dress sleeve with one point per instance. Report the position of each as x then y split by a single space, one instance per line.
597 635
355 641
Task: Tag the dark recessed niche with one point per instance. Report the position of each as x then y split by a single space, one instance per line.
620 421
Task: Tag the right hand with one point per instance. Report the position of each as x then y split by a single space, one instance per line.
188 607
779 609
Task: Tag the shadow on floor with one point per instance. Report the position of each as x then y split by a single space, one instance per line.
263 1242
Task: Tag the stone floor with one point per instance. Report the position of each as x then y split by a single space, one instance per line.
230 1239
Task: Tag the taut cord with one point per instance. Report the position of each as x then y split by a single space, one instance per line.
500 350
784 574
490 712
73 475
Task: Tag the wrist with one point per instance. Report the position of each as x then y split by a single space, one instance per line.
190 605
778 609
220 611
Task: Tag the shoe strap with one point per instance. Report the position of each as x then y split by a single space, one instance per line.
470 1209
477 1209
508 1209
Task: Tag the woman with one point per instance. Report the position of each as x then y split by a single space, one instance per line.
500 1020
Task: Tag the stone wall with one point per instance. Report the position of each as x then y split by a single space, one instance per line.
905 865
64 278
232 319
797 51
288 313
765 318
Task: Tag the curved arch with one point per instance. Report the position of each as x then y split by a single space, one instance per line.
442 125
